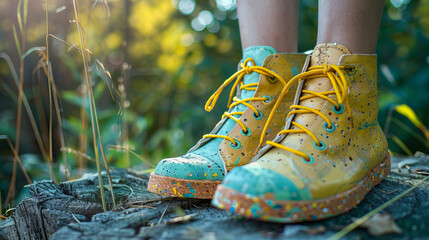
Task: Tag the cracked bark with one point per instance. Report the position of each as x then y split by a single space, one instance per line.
72 210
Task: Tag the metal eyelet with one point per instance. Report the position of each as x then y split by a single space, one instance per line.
312 160
338 111
237 144
329 130
269 99
247 133
259 116
321 147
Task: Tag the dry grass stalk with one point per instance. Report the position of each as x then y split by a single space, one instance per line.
83 139
93 111
53 94
27 108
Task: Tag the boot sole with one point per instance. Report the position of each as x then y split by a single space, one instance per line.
179 187
270 210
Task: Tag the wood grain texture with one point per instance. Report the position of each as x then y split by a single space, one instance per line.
72 210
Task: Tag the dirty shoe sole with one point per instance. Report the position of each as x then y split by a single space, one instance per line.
179 187
265 209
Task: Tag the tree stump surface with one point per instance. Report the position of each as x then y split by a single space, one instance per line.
73 210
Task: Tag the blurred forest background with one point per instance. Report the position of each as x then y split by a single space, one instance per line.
152 65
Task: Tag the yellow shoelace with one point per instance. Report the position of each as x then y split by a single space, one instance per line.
239 75
339 84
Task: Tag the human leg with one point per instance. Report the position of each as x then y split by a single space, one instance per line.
352 23
269 23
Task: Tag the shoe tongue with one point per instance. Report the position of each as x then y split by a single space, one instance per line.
258 54
328 53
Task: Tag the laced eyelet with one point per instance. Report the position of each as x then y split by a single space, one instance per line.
321 147
259 116
237 144
338 111
312 160
329 130
246 133
268 99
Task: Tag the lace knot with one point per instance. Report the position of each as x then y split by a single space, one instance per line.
326 68
248 70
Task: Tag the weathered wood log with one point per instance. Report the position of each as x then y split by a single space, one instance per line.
72 210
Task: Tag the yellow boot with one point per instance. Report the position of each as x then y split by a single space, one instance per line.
234 140
331 153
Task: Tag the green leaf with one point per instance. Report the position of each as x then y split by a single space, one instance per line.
74 98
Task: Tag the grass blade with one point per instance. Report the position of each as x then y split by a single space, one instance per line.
53 95
409 113
26 106
411 131
18 16
93 112
15 36
88 83
127 149
33 49
402 145
18 159
25 11
367 216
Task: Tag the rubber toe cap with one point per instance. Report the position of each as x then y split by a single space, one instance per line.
190 166
262 182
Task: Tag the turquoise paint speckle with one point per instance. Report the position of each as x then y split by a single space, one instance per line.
232 209
233 206
292 211
273 206
367 125
294 71
254 209
237 162
192 194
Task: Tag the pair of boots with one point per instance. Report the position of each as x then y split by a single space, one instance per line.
294 145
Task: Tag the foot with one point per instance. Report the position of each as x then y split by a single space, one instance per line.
235 139
331 153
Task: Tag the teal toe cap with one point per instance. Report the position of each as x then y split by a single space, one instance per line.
258 182
191 167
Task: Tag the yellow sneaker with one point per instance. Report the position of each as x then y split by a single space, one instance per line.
331 153
234 140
